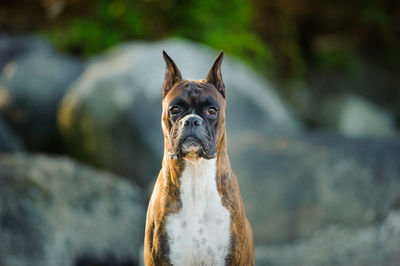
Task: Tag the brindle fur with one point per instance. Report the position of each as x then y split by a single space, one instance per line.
165 199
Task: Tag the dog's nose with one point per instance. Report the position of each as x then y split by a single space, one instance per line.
193 122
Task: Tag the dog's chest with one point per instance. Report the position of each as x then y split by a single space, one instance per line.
199 233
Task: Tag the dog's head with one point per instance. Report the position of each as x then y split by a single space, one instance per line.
193 117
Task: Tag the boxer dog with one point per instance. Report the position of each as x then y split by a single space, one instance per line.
196 214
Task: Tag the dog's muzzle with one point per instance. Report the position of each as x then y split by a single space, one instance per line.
193 138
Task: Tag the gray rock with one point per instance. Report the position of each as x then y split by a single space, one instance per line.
355 116
378 244
31 87
13 46
57 212
8 141
358 117
111 116
292 186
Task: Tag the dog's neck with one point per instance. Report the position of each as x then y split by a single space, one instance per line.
197 180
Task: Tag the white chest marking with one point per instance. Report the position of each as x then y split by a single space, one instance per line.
199 233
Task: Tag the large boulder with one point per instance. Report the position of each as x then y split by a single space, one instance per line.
33 80
8 141
111 115
293 186
57 212
377 244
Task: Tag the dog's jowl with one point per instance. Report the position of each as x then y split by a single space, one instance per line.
196 214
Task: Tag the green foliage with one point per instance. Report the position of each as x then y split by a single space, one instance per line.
375 16
223 25
339 60
108 23
285 40
226 25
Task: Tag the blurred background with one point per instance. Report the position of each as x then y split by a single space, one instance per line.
313 122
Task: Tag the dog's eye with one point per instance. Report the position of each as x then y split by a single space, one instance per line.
175 110
212 110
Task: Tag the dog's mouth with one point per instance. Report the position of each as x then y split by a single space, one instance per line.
191 144
192 149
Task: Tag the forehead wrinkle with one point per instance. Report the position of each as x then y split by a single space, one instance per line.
198 90
192 91
188 92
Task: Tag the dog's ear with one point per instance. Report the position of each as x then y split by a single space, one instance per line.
214 76
172 74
